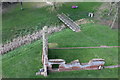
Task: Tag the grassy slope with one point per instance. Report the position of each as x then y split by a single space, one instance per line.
17 22
23 62
26 60
92 34
98 35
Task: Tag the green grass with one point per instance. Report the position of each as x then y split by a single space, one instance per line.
90 35
81 12
25 61
84 55
18 23
105 73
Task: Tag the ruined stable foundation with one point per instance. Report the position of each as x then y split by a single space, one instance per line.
93 64
58 65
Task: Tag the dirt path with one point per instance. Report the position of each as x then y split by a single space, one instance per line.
86 47
113 66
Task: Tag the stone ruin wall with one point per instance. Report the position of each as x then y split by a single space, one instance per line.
17 42
45 50
74 65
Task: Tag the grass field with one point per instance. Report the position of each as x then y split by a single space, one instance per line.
26 60
18 23
105 73
91 35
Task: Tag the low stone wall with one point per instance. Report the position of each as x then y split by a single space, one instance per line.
17 42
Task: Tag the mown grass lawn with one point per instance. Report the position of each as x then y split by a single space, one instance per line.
23 62
90 35
18 23
26 60
105 73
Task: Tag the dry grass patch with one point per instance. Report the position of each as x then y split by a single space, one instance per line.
52 45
